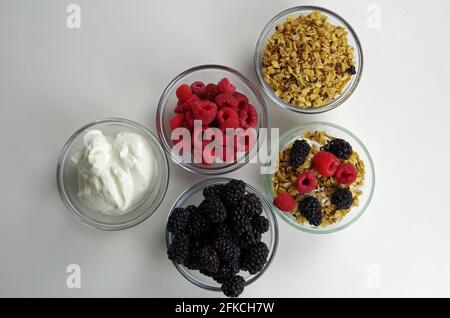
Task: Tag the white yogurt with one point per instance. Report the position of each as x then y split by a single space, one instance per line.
115 172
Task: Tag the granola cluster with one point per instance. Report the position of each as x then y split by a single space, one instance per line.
308 61
284 180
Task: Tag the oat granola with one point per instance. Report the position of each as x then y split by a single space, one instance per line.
308 61
284 180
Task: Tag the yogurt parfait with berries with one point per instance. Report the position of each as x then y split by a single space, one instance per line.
320 179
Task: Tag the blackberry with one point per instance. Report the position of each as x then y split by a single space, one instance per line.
233 286
226 249
213 210
226 270
311 209
239 222
179 249
223 230
342 198
260 224
254 258
192 262
209 261
232 193
299 151
252 205
213 191
178 221
248 239
352 70
339 147
197 225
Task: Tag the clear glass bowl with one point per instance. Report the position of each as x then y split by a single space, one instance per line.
333 18
209 74
368 187
67 178
194 195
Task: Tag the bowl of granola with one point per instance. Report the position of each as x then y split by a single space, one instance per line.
321 178
308 59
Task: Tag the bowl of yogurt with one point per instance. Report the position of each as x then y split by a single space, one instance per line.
112 174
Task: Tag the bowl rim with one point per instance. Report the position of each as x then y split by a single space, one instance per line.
319 230
211 181
341 98
261 133
62 191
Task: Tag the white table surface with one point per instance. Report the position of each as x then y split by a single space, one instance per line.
54 79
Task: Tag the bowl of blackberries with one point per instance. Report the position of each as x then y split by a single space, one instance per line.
222 235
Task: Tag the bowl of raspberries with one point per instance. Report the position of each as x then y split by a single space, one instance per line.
222 235
324 178
209 119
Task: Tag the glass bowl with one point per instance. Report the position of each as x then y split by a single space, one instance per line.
67 178
209 74
368 187
194 195
333 18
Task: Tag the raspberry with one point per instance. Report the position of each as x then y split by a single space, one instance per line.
224 86
189 120
198 88
205 111
241 98
227 118
226 100
185 106
183 93
346 173
177 121
284 202
306 182
244 141
248 117
211 91
325 163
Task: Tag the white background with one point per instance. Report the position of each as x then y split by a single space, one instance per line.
53 80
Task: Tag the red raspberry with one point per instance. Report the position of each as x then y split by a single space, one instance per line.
284 202
346 173
177 121
306 182
241 98
204 110
226 100
189 120
325 163
248 117
183 92
198 88
211 91
224 86
244 140
228 154
185 106
227 118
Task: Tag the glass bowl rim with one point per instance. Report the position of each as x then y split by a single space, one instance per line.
207 182
340 99
63 193
263 122
369 165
